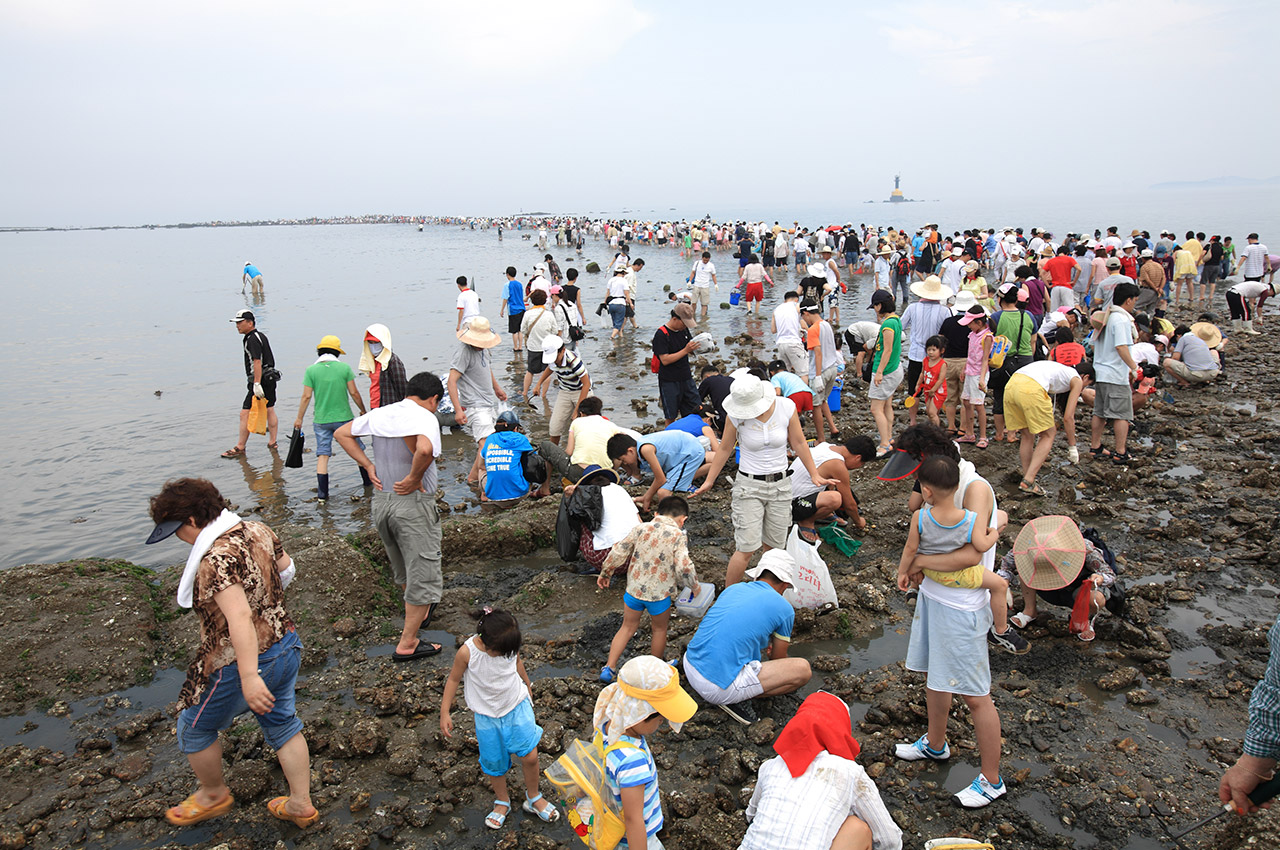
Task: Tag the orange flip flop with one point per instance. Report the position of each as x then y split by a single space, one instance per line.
276 807
189 811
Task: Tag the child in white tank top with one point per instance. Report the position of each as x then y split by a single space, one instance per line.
500 695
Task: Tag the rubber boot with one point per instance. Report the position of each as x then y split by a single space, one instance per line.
1248 328
1237 325
364 477
322 487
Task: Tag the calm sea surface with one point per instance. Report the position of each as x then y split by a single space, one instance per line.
124 369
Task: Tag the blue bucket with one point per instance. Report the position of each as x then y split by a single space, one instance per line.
833 400
734 298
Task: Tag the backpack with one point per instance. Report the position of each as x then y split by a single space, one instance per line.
568 534
579 778
1000 346
655 364
1117 604
903 267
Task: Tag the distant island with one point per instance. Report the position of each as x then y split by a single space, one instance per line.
1218 183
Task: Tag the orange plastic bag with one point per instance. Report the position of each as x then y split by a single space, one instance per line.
1080 611
258 416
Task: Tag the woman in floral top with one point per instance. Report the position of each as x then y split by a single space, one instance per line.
249 652
658 554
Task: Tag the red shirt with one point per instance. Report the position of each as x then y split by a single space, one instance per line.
1067 353
1059 269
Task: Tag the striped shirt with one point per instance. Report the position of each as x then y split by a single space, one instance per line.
1253 260
570 373
1262 738
628 767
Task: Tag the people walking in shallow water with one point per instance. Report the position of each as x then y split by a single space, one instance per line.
260 370
252 278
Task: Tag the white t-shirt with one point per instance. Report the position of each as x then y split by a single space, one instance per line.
468 303
764 444
620 516
800 245
801 483
786 318
865 333
540 282
952 272
1054 377
1145 352
618 287
702 273
1250 289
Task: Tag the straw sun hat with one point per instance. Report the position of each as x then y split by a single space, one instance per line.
1049 552
477 332
931 289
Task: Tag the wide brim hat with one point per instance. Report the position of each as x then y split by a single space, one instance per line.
748 397
817 270
884 250
597 471
477 333
778 562
1049 552
1208 332
931 289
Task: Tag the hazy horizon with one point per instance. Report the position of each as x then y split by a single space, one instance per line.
141 112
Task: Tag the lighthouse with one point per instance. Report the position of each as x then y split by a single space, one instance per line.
897 196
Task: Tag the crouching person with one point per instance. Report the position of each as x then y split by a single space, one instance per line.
813 795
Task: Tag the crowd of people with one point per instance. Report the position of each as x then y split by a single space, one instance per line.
1041 327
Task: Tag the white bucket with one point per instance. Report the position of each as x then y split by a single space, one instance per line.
690 605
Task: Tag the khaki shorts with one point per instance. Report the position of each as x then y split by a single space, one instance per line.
792 354
761 513
409 527
1111 401
1027 405
1191 376
701 294
480 422
562 412
955 377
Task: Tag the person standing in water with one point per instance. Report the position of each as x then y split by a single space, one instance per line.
260 369
252 277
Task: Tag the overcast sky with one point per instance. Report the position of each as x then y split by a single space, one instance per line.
133 112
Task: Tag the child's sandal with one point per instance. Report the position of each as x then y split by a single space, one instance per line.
548 813
495 819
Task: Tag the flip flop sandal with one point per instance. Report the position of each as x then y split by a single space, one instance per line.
189 811
965 440
1021 620
431 610
423 650
233 452
495 819
277 808
981 444
809 535
547 814
1030 488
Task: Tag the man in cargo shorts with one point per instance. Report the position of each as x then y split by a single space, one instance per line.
404 500
701 279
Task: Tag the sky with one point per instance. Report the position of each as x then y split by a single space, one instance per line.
135 112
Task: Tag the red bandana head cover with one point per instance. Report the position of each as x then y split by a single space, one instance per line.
821 723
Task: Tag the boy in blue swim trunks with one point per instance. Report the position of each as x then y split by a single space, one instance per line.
659 565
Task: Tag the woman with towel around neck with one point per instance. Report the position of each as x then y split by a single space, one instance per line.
249 652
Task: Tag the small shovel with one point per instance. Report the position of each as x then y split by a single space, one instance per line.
1257 796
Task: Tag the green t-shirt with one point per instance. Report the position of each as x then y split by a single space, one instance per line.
1019 328
891 366
328 380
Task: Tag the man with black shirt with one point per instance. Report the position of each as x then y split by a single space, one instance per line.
745 244
672 345
260 369
956 334
715 388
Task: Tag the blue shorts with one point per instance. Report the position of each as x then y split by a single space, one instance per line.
654 608
742 262
199 725
514 733
850 259
800 258
951 647
324 437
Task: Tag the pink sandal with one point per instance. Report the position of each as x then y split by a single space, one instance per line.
969 439
982 444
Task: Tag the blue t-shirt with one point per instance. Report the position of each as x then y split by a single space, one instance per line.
515 297
790 384
504 477
691 424
740 624
627 767
251 270
675 451
917 246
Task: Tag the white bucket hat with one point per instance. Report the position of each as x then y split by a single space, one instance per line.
748 397
778 562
